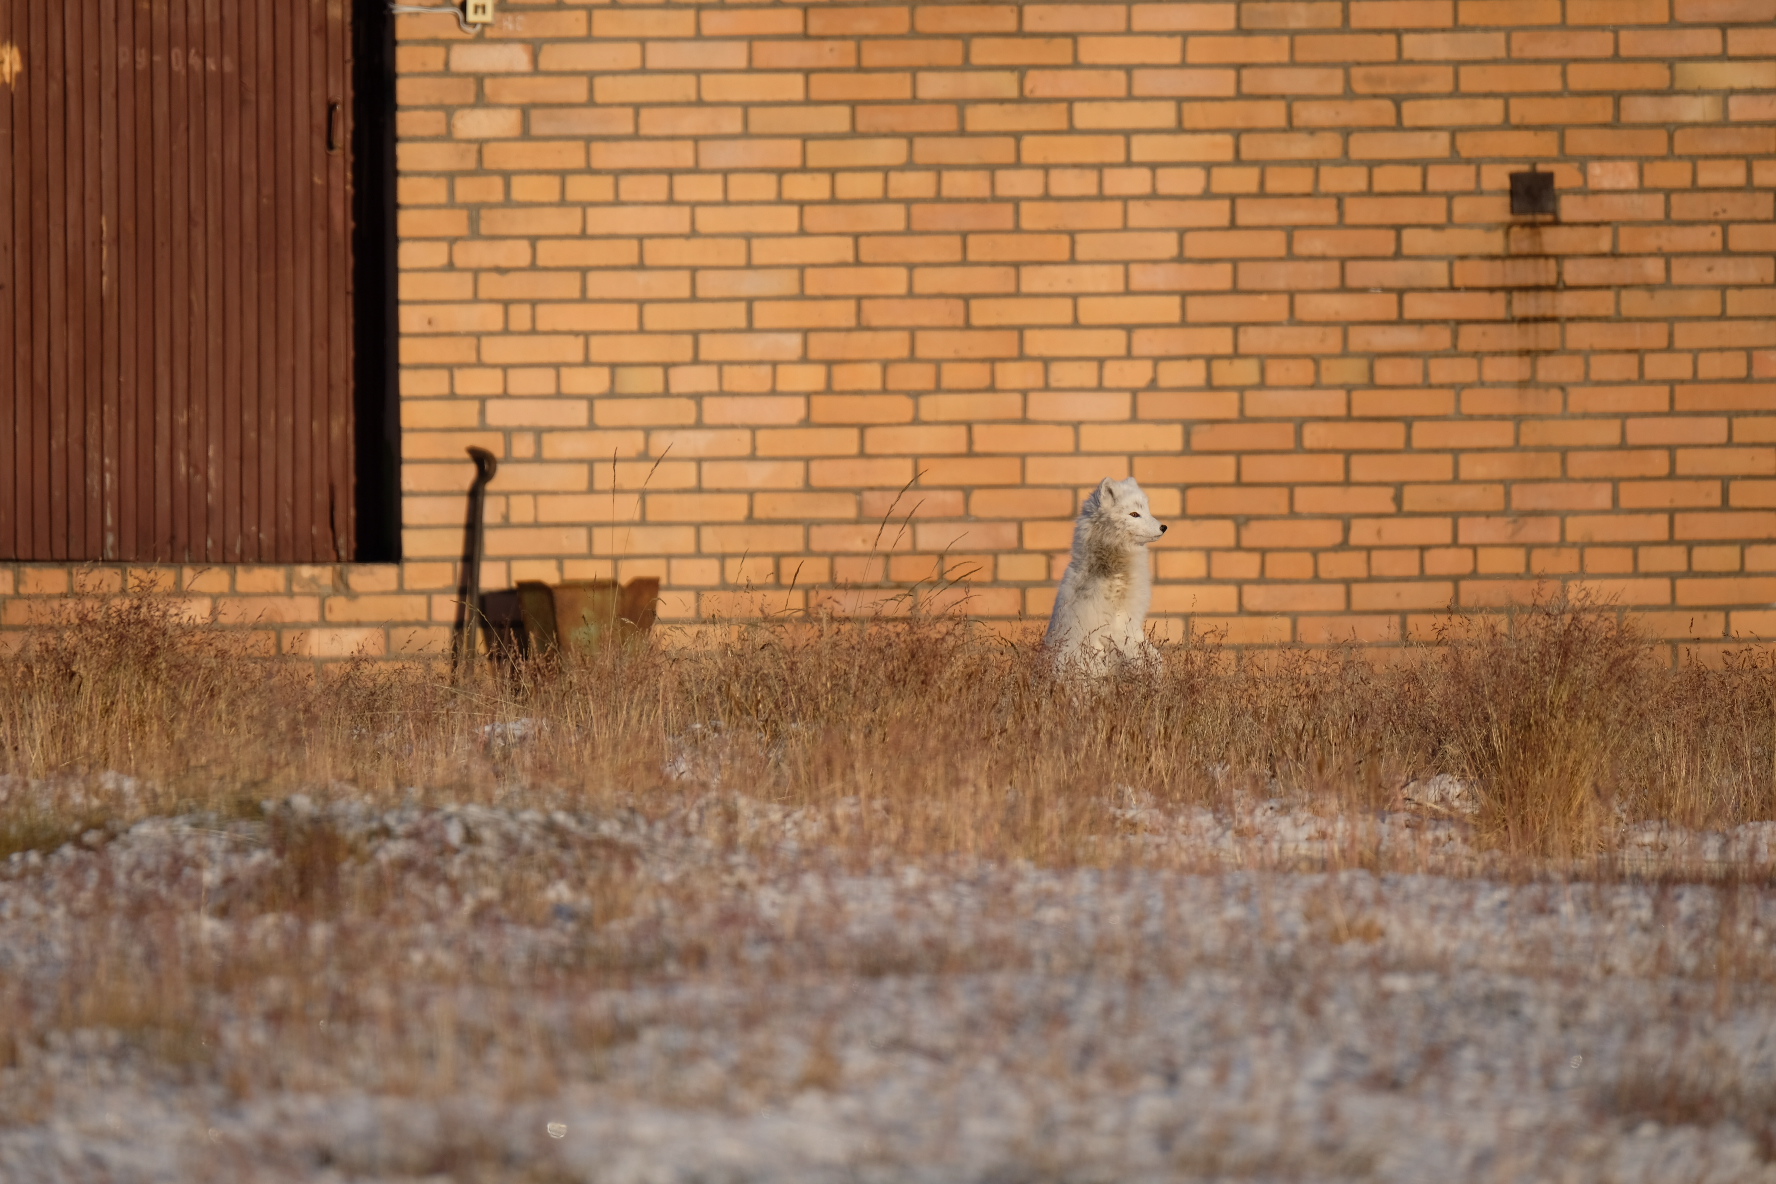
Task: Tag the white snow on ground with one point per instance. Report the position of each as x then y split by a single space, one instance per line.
340 992
1274 833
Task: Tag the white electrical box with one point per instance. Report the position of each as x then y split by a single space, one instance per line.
478 12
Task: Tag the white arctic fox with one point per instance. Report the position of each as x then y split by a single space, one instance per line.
1102 605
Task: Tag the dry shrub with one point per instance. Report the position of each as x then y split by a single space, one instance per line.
1572 724
1695 1087
920 736
122 687
1335 722
1541 709
1706 745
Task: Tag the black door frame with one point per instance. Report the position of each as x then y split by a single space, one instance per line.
376 392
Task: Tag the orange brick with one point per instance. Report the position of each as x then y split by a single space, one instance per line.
1304 145
1244 49
1173 149
1128 245
736 474
1618 463
754 538
1291 275
1727 461
335 642
1292 81
1416 594
1242 437
1640 495
1207 115
916 439
1345 243
1409 79
1343 499
1452 113
491 58
1469 497
1759 590
1347 306
1292 597
1128 310
964 343
1212 500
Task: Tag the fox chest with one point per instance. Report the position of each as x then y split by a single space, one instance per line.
1109 577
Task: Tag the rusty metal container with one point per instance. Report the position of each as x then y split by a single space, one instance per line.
537 618
590 611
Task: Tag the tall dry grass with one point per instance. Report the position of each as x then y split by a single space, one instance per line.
924 736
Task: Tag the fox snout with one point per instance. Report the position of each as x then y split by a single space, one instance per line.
1163 528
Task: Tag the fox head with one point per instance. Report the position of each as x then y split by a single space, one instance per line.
1121 506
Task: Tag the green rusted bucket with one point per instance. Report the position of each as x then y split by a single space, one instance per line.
579 614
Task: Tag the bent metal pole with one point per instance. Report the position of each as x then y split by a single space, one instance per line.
468 612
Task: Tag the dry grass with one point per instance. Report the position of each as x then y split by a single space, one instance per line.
1695 1086
928 737
309 927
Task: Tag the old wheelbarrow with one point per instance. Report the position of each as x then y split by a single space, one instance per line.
537 618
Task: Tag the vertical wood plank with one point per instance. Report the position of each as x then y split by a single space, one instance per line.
34 426
270 324
296 96
141 402
11 271
111 122
232 101
52 412
251 396
88 537
68 397
284 74
188 260
179 488
209 32
341 440
159 495
206 375
316 99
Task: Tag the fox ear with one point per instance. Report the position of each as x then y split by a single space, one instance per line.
1106 490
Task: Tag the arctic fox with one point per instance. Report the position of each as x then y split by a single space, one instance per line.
1102 604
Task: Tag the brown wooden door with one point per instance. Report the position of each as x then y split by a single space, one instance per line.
175 280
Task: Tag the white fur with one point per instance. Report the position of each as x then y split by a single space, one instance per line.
1101 608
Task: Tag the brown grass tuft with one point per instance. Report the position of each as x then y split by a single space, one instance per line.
1543 709
1701 1088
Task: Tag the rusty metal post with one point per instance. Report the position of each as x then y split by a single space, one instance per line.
468 613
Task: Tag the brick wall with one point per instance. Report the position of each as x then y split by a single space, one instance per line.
764 265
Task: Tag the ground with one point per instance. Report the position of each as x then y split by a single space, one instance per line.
339 987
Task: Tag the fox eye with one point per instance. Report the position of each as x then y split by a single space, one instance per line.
1134 513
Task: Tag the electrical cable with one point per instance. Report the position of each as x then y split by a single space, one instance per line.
453 10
